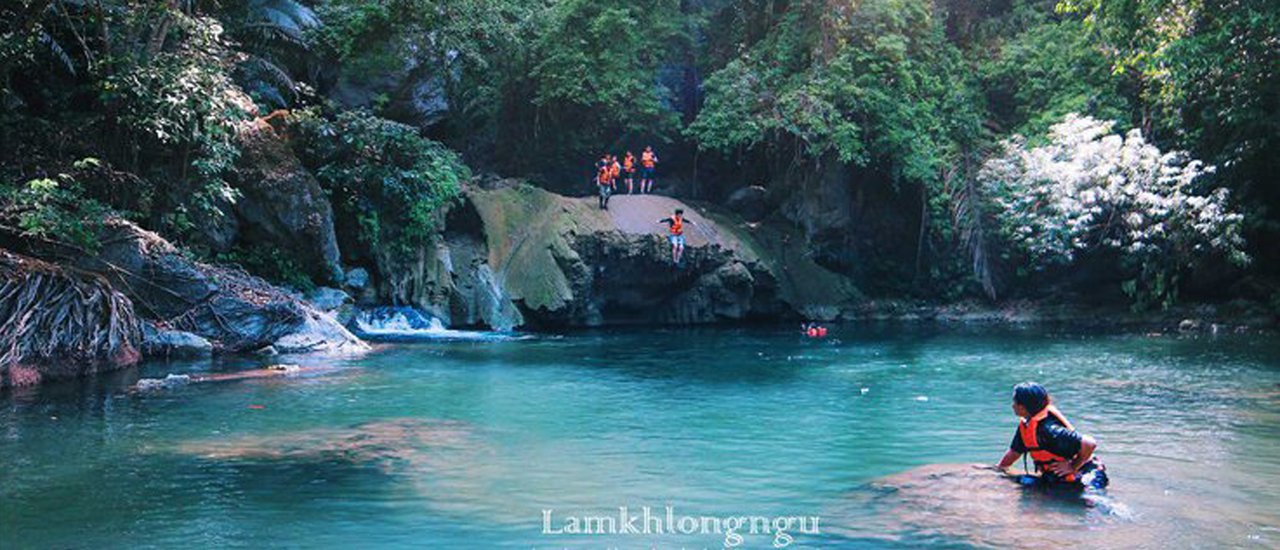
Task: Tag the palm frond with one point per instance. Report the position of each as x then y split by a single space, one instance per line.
268 81
58 52
286 14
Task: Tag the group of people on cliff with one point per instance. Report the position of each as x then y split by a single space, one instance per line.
609 170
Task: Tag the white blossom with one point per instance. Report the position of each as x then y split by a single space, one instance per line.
1090 187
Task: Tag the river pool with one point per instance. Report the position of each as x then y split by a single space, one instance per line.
489 441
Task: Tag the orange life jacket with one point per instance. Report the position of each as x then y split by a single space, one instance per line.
677 225
629 163
1027 431
614 169
648 159
604 176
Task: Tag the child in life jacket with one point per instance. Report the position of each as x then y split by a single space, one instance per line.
629 169
675 229
648 164
604 180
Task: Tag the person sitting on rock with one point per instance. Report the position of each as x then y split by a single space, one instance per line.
629 168
603 183
648 163
676 234
1063 456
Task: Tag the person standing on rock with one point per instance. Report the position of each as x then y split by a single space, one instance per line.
1063 456
629 168
615 172
648 163
603 183
675 225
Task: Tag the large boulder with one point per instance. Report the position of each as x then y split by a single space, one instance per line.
522 256
282 205
228 307
162 342
750 202
58 323
413 93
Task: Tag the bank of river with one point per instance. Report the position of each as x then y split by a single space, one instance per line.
464 442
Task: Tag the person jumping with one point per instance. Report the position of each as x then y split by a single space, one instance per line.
648 162
629 168
676 235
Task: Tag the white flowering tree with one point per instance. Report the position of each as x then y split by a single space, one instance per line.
1089 189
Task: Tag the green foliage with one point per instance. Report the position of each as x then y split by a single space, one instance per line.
182 106
1210 77
271 264
461 41
876 84
1049 70
591 79
54 209
913 92
383 174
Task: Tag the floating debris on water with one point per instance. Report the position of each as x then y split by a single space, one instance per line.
168 382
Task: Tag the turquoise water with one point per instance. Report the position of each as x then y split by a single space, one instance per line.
463 444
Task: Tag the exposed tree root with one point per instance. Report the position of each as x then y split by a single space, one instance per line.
56 322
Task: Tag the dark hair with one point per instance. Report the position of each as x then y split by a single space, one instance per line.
1031 396
679 211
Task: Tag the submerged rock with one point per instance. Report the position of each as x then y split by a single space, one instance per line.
966 505
274 371
168 382
388 444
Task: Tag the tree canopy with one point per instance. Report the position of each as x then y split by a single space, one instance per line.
955 116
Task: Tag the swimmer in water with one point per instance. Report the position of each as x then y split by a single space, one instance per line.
1063 456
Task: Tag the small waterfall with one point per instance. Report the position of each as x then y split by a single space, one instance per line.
400 323
495 306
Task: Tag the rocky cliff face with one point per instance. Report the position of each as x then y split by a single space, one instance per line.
518 256
282 205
